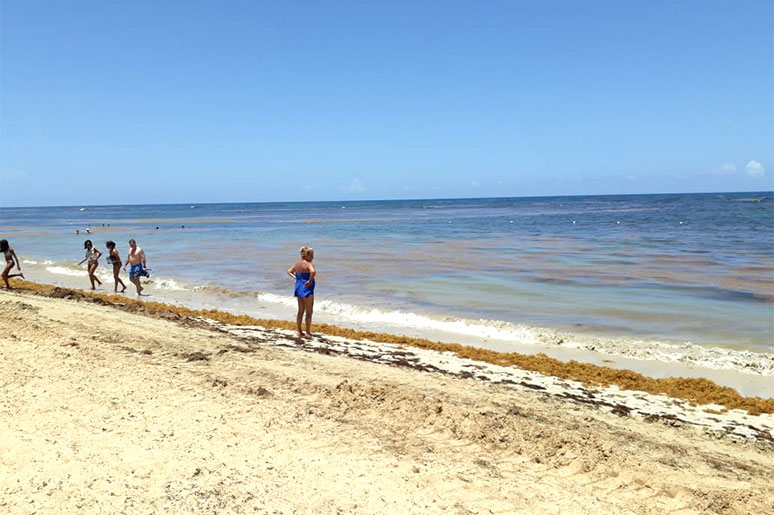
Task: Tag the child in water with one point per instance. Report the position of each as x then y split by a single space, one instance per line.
303 273
115 259
10 257
92 256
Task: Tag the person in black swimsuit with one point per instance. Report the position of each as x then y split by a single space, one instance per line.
115 259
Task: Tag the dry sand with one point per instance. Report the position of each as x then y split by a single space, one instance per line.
107 411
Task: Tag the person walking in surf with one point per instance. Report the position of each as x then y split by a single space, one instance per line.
115 259
10 257
136 260
303 273
92 256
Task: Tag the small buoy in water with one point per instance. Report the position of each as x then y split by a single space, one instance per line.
618 223
511 222
681 223
573 222
448 222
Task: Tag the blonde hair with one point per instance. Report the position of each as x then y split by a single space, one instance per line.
306 251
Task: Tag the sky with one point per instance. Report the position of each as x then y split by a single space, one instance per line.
111 102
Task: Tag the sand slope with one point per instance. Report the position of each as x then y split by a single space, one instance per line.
106 411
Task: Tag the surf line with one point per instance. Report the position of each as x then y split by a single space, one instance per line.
700 391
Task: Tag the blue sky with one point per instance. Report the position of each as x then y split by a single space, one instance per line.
145 102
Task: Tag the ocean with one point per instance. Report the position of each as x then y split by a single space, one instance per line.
644 276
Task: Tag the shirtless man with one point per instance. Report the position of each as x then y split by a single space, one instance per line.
136 260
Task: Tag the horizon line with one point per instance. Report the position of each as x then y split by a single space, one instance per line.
392 199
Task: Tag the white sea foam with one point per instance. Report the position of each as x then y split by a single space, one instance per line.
480 328
283 300
63 270
167 284
105 273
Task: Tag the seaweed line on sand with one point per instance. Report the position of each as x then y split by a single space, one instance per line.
694 390
734 424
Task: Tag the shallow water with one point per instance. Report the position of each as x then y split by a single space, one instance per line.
696 268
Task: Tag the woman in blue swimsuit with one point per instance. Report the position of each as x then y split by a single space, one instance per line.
303 273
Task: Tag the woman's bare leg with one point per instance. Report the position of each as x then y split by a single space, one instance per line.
299 316
308 308
8 267
116 271
16 275
92 278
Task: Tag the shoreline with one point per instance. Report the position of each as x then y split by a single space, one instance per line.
138 407
694 390
747 371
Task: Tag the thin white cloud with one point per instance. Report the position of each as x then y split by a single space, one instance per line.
727 169
475 183
754 169
357 186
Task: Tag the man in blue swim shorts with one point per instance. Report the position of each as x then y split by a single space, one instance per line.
136 271
136 260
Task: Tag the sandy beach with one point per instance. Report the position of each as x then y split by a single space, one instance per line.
387 258
104 410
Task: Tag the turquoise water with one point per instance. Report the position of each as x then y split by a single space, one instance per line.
693 267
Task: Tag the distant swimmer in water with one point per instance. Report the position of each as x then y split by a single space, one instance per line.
10 257
92 256
115 259
136 259
304 273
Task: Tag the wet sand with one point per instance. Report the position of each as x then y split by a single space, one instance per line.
106 410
